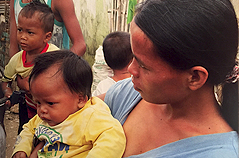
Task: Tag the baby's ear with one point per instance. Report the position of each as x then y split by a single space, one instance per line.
47 36
198 77
82 101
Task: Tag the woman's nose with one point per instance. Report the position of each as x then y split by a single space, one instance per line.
133 68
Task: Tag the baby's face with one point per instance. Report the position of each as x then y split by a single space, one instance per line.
30 34
55 102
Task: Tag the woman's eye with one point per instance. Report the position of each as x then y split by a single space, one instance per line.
142 66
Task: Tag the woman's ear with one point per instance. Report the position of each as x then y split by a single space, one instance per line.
198 77
47 36
82 101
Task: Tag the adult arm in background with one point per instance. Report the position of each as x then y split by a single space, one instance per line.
13 31
64 11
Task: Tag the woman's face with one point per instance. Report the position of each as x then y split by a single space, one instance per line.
154 78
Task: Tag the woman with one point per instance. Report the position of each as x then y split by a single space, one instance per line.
182 48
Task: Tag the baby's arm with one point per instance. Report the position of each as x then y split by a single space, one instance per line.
24 142
20 154
107 136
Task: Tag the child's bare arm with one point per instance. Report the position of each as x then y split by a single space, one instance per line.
23 83
20 154
38 147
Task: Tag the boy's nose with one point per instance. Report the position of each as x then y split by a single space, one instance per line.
23 36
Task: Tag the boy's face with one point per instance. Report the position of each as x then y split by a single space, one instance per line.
55 102
30 34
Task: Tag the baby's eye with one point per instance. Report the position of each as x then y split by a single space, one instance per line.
50 103
29 32
19 30
37 102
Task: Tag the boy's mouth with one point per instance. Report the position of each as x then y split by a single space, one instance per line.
23 44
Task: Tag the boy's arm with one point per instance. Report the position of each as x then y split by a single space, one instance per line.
23 83
66 11
13 31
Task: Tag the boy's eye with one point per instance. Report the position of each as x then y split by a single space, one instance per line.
19 30
30 33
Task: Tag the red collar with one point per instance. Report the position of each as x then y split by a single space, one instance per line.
30 64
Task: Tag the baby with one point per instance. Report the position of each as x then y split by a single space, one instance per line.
69 121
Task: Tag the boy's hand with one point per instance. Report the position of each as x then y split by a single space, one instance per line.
23 83
20 154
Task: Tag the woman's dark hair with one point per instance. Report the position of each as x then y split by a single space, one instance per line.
189 33
76 72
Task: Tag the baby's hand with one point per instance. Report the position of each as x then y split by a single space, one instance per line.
20 154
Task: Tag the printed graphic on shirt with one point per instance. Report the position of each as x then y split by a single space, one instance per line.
57 37
54 142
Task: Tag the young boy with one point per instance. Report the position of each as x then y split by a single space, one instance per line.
118 55
65 23
69 121
35 26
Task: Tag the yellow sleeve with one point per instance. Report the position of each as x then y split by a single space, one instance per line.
24 140
106 134
10 69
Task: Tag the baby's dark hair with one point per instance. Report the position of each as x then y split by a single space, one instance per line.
46 15
117 50
76 72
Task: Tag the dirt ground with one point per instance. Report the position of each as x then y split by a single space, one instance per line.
11 123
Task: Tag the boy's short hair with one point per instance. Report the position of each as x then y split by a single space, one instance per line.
117 50
46 15
76 72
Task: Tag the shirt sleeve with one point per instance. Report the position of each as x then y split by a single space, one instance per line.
10 69
106 134
24 140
